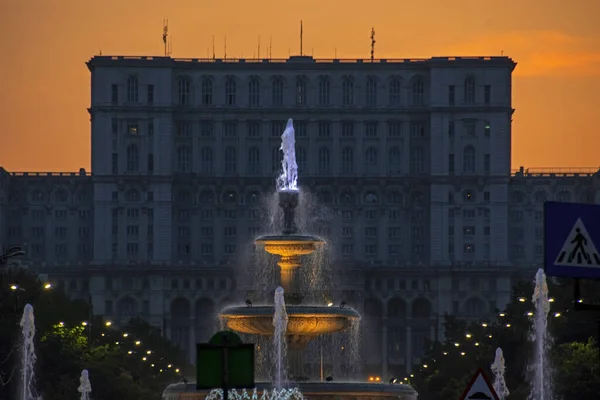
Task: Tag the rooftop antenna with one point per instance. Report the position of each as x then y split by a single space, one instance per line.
165 34
100 53
258 47
372 44
301 33
214 56
225 48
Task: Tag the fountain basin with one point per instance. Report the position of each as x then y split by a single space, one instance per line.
311 390
290 247
309 321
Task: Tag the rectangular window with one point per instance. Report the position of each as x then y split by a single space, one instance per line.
451 95
114 97
347 129
395 128
150 162
150 127
150 94
371 129
451 129
486 163
253 128
451 163
115 163
487 94
324 129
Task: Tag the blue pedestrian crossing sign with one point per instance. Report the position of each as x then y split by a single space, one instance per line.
571 239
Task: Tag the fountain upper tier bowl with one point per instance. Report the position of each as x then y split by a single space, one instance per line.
307 321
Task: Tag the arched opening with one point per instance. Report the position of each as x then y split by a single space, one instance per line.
180 323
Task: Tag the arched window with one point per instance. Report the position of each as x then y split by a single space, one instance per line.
133 158
254 91
470 90
300 90
347 160
277 91
230 160
371 161
324 161
347 91
540 197
207 91
184 91
469 160
230 91
371 92
184 159
61 196
206 160
417 160
132 196
324 90
254 160
395 92
301 159
132 89
394 160
418 92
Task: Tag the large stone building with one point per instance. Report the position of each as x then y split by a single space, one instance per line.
412 156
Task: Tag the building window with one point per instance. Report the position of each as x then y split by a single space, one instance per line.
371 129
487 94
470 90
451 95
184 91
150 162
206 160
254 91
114 94
276 158
371 159
324 129
324 90
347 91
132 89
301 90
207 91
418 92
207 129
395 129
395 92
347 160
183 129
230 91
230 128
394 160
254 160
133 158
451 163
253 128
487 128
451 129
277 91
371 92
150 94
417 161
347 128
486 163
115 163
324 161
230 160
300 128
301 159
184 159
469 160
277 128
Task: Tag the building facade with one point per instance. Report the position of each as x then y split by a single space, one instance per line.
411 157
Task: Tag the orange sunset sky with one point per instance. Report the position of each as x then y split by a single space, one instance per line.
44 83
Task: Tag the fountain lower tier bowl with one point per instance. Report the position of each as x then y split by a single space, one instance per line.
303 321
309 390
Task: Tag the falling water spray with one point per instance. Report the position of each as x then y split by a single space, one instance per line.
280 321
288 180
499 369
85 387
27 354
540 369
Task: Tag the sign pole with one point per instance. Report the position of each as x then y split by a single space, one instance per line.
225 368
579 305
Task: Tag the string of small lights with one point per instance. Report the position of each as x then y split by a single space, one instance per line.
504 320
112 335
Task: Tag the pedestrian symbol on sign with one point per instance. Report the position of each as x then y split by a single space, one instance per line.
578 250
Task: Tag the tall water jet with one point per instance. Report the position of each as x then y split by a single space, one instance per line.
541 386
499 369
27 354
85 387
288 180
280 321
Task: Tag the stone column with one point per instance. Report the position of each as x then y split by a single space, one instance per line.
384 349
409 362
192 345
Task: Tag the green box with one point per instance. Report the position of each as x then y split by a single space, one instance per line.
209 366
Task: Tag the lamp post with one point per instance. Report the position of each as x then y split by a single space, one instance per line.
11 252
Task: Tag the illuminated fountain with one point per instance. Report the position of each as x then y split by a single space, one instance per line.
305 322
